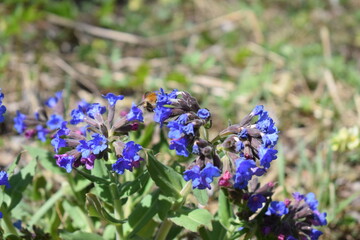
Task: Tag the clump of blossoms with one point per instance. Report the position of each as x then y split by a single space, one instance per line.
294 219
250 145
98 137
42 124
184 117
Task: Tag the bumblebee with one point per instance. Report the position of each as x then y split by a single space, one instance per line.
149 101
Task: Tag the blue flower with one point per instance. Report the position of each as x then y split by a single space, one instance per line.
265 123
84 148
4 179
180 146
243 173
243 133
203 113
52 101
315 234
162 109
290 238
310 199
270 140
94 109
77 116
120 166
98 143
2 111
202 179
257 110
130 151
189 129
182 119
239 146
297 196
63 131
176 130
17 224
42 132
65 161
266 155
135 114
277 208
19 123
196 149
255 202
319 218
58 143
1 215
54 122
112 98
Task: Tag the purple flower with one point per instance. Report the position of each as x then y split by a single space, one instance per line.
202 179
89 161
65 161
94 109
266 155
42 132
19 123
112 98
203 113
58 143
180 146
243 173
277 208
319 218
135 114
4 179
297 196
54 122
2 111
52 101
255 202
97 144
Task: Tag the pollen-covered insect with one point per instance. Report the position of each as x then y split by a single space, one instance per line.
149 101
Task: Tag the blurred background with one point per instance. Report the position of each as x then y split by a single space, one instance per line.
299 58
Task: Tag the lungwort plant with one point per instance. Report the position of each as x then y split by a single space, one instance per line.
110 184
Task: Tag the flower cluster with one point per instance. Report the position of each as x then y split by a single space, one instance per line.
247 142
40 124
98 138
183 116
2 107
294 219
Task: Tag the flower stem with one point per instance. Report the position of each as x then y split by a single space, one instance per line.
117 208
167 224
9 225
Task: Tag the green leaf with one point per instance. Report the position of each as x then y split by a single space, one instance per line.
45 158
19 182
219 232
95 209
78 235
80 220
147 135
167 179
92 178
201 196
14 164
192 219
225 211
143 213
129 188
164 205
100 171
